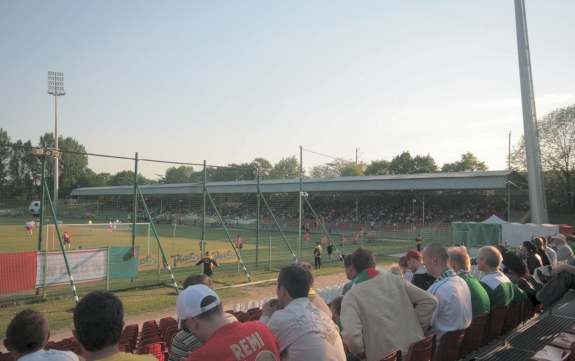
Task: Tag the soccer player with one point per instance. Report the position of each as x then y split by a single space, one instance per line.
29 226
317 256
67 240
208 264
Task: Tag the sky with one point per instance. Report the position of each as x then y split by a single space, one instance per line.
228 81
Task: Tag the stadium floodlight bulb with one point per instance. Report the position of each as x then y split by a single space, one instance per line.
56 83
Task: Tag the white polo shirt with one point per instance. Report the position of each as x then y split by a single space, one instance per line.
454 311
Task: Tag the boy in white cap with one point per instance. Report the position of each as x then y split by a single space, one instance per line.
200 313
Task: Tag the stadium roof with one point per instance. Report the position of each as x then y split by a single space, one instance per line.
425 181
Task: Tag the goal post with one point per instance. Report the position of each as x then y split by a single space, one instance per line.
86 235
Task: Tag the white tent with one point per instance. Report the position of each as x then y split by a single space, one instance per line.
514 234
494 220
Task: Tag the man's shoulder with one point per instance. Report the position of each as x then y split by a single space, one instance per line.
50 355
122 356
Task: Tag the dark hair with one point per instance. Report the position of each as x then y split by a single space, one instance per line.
296 280
347 260
307 266
362 259
27 332
98 320
530 247
196 280
539 243
515 264
208 300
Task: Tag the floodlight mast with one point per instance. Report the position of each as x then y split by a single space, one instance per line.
537 202
56 88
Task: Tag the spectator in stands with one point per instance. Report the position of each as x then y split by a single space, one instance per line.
460 262
382 313
26 336
421 278
541 249
304 332
98 324
349 273
517 272
405 271
313 296
185 342
529 254
564 252
549 251
200 313
562 281
454 309
499 287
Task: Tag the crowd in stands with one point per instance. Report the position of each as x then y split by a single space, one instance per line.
430 303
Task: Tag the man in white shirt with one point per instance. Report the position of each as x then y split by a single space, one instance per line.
454 311
304 332
26 336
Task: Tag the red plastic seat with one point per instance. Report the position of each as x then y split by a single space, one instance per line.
494 326
422 350
392 356
449 346
474 335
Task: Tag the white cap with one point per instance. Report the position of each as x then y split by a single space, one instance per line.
189 301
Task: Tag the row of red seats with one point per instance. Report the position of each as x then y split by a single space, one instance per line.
458 344
129 338
252 314
67 344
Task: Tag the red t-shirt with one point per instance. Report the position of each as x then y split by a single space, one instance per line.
248 341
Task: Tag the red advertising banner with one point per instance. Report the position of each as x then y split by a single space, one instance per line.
17 272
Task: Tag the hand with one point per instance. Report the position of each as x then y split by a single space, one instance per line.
270 307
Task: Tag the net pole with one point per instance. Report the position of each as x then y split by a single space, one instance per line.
40 229
229 236
70 277
135 202
258 216
276 223
300 205
155 232
203 240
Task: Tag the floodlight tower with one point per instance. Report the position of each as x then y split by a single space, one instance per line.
56 88
537 203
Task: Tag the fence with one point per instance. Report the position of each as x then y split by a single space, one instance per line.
157 230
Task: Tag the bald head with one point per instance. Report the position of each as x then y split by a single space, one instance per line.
488 259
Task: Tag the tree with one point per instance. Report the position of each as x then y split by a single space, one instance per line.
378 167
405 164
181 174
324 171
467 163
424 164
126 177
263 165
72 165
556 134
5 152
92 179
285 168
351 169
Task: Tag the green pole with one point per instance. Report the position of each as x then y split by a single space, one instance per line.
155 232
71 278
322 225
279 228
40 230
135 207
42 179
258 216
204 190
300 205
229 236
108 269
269 252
